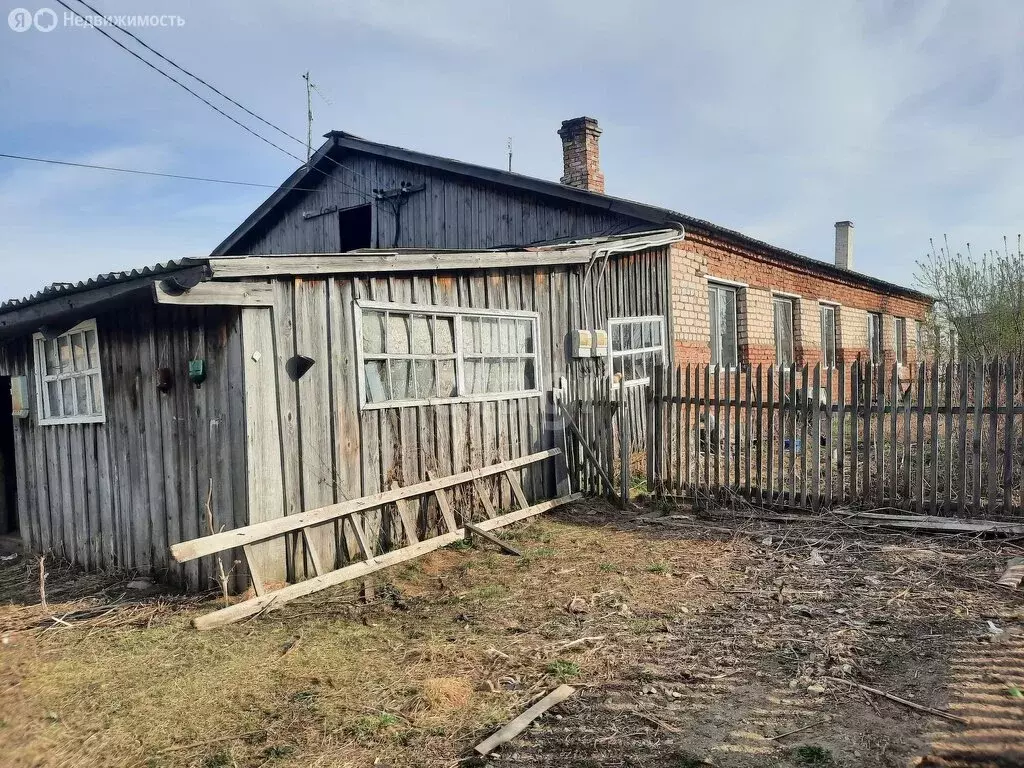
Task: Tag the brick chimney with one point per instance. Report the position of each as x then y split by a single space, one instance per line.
844 244
581 158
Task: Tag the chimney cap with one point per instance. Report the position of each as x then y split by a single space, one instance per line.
578 125
844 223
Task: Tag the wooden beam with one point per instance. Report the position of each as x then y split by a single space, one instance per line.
442 503
473 529
361 569
589 454
485 499
217 293
269 529
517 726
268 266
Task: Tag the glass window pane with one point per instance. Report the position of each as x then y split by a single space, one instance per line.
506 336
426 381
616 337
92 347
53 399
728 324
474 375
398 334
635 335
524 342
444 335
471 334
648 338
82 399
68 396
488 339
52 361
403 383
446 378
495 375
715 340
376 381
373 332
421 344
529 374
64 354
78 353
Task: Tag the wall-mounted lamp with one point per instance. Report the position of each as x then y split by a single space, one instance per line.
197 372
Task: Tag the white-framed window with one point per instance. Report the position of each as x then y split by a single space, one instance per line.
785 348
69 384
421 354
874 337
635 346
901 340
722 311
828 335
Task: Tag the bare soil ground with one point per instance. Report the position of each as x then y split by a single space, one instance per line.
691 641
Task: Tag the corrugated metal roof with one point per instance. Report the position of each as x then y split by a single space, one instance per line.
55 290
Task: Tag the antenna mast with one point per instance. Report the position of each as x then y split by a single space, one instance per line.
309 117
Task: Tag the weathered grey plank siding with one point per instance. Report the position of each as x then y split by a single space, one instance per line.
115 495
450 212
318 447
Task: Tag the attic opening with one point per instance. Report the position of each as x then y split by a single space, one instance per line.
8 506
355 227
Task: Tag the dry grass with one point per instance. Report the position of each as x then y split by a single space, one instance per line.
456 643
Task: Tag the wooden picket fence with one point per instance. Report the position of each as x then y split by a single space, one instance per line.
929 438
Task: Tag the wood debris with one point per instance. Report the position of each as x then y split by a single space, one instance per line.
519 724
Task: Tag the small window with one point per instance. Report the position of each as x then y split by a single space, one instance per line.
722 310
355 228
874 337
901 340
636 345
828 336
420 355
784 346
69 384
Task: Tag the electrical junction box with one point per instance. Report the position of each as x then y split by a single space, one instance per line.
582 344
19 397
600 343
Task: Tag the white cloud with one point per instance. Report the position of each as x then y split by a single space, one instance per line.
776 119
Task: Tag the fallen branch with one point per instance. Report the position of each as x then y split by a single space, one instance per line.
235 737
517 726
575 643
795 730
656 721
899 700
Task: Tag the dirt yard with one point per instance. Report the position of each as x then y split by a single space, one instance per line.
691 642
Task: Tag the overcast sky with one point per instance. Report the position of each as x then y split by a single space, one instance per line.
773 118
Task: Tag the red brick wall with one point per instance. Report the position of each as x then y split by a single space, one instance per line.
701 258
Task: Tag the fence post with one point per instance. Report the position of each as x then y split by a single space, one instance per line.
624 469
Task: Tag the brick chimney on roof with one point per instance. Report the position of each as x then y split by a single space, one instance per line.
581 158
844 244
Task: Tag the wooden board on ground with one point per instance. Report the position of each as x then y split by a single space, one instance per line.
517 726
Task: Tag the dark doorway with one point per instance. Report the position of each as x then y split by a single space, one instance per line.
8 505
355 226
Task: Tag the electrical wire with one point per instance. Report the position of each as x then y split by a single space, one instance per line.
207 102
143 173
220 93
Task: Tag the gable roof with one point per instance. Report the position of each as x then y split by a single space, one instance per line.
339 142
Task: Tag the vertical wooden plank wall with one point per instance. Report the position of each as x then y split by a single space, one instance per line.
115 495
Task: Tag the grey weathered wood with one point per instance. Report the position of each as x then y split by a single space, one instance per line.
841 433
1009 435
725 432
804 418
855 396
992 458
961 484
747 431
894 393
214 293
519 724
870 452
976 438
815 438
474 530
771 442
934 441
252 562
758 436
921 408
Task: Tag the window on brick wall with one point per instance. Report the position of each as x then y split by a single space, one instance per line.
783 309
828 336
722 306
901 340
874 337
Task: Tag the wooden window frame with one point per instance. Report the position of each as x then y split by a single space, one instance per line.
877 339
76 377
652 350
725 286
899 327
458 355
824 307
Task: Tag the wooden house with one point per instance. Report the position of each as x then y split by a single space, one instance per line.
385 314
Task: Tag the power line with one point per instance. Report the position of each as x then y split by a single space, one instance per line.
144 173
220 93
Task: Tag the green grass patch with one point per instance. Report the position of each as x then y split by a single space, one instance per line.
562 669
659 568
812 756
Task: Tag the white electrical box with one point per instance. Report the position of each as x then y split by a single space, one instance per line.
600 343
582 344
